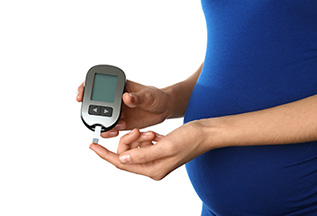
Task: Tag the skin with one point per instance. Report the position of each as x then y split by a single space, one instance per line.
155 156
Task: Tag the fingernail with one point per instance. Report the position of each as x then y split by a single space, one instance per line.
149 133
125 158
132 98
159 136
133 131
92 146
113 133
120 126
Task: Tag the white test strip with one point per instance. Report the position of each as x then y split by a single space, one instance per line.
96 134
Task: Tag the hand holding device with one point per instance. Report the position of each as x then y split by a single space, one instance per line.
143 106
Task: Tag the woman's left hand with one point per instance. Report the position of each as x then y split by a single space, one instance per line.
153 155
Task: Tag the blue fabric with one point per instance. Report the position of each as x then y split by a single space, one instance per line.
260 54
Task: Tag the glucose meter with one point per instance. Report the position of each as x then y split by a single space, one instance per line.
102 99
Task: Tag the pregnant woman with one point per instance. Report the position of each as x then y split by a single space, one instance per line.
249 140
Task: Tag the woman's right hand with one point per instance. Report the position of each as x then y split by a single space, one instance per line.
143 106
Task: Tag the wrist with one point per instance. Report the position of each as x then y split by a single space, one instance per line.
177 99
216 132
171 100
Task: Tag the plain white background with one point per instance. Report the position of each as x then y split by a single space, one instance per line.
46 48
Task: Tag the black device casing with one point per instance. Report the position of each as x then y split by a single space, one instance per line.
106 123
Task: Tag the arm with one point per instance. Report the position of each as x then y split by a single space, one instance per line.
294 122
179 94
290 123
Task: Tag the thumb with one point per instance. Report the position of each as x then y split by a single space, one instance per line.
143 98
142 155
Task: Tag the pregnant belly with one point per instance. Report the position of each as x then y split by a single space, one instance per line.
255 180
260 180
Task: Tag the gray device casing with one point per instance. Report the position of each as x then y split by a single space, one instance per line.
106 123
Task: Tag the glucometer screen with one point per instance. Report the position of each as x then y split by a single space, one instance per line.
104 88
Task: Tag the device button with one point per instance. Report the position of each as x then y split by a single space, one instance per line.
106 111
94 110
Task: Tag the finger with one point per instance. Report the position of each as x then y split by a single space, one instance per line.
112 133
144 140
106 154
121 125
144 99
145 144
141 98
129 100
114 159
80 93
147 136
115 131
158 137
150 136
133 86
127 97
143 155
126 140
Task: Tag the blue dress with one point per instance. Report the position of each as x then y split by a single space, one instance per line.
260 54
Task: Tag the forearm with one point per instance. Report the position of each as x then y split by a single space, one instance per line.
179 95
290 123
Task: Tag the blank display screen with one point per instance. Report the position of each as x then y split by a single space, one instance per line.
104 88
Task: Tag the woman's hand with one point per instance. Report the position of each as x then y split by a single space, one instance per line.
143 106
154 155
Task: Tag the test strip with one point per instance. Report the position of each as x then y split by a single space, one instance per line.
96 134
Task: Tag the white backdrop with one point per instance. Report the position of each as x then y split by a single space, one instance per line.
46 48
